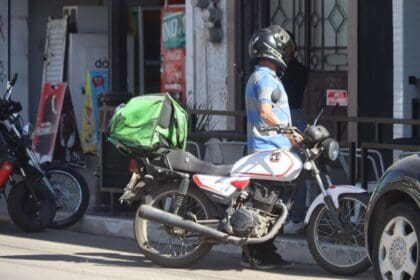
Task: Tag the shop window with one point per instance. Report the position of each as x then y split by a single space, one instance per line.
320 29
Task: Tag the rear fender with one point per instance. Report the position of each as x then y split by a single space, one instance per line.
335 192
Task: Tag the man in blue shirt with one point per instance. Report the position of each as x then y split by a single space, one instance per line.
262 111
267 105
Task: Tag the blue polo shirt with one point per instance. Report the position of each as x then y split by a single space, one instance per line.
262 82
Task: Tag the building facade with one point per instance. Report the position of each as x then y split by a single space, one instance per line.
368 48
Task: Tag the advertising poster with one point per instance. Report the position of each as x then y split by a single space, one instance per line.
48 120
3 44
173 52
56 136
68 148
96 86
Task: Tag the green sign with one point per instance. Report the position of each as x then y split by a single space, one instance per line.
174 30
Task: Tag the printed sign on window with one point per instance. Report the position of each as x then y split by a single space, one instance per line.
337 97
173 29
172 78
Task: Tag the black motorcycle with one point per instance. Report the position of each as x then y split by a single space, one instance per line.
48 194
31 200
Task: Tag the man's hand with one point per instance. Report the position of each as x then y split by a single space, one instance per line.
294 137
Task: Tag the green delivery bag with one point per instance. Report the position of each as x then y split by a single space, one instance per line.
147 123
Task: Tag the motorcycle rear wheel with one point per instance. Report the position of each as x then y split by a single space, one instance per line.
171 246
25 212
345 256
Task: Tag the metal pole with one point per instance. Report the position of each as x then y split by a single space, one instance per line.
117 45
363 167
9 21
307 43
352 162
264 13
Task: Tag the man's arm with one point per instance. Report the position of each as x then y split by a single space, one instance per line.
270 119
268 116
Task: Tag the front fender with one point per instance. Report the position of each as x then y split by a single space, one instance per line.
335 193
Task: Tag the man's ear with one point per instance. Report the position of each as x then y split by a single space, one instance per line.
275 95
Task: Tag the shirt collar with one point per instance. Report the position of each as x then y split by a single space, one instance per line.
266 69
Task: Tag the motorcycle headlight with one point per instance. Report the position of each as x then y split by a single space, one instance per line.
331 149
28 130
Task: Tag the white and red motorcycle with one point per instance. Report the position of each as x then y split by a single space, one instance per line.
189 205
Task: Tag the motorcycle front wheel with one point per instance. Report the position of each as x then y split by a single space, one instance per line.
27 212
341 254
171 246
72 194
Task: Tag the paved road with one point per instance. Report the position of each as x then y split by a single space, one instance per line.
69 255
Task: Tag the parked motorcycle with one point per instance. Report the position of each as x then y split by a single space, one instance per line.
30 202
179 219
42 195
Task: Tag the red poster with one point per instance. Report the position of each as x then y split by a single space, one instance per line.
56 136
173 52
48 119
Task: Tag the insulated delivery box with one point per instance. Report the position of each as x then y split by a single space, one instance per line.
149 122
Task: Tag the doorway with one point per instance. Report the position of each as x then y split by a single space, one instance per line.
320 28
149 24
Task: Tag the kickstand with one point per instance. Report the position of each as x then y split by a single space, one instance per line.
245 249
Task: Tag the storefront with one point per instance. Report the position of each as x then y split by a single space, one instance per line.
367 49
97 61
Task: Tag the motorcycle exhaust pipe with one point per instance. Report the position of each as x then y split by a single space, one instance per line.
156 215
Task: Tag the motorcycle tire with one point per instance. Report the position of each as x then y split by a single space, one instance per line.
24 210
72 194
321 222
153 198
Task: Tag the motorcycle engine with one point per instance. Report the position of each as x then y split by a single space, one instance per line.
243 221
254 218
265 196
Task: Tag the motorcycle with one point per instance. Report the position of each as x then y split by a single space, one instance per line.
189 205
42 195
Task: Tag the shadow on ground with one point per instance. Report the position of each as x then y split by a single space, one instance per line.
124 253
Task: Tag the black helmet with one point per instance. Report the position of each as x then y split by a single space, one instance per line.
272 43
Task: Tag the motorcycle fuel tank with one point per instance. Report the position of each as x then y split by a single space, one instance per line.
276 165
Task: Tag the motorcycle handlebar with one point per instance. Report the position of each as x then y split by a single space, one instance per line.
13 81
10 87
279 129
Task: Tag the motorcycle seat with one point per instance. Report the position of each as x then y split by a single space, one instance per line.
186 162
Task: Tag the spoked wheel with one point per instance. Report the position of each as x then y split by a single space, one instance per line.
72 195
171 246
340 253
396 252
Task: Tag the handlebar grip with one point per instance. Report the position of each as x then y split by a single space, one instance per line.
13 81
277 128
